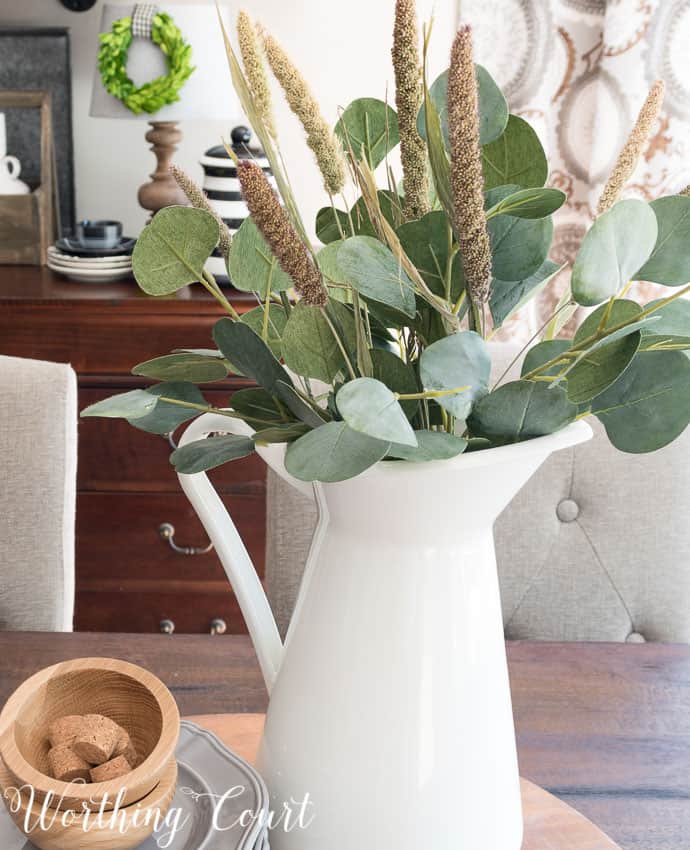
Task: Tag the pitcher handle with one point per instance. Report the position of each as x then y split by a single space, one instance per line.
231 550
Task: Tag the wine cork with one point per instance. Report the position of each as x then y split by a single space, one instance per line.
64 730
66 765
112 769
96 740
125 747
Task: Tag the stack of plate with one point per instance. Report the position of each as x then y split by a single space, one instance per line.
74 260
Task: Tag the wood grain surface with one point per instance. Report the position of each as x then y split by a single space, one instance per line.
604 727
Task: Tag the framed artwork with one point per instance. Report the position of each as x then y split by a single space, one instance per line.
38 59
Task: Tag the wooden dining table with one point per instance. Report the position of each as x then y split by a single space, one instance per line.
604 727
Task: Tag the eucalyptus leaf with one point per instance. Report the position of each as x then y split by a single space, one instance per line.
333 452
252 265
327 261
664 342
165 416
297 405
164 260
618 243
544 352
280 433
673 318
459 360
240 345
275 324
669 262
619 311
428 242
309 346
600 367
210 452
521 410
374 272
431 445
129 405
370 127
507 297
649 405
529 203
519 246
184 366
367 405
333 225
256 406
516 157
493 109
397 376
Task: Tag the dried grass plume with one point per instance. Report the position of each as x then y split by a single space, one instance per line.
254 69
467 179
408 100
282 238
197 199
633 148
320 139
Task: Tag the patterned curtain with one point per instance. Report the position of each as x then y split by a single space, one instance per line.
578 71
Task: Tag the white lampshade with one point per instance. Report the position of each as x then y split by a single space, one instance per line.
208 93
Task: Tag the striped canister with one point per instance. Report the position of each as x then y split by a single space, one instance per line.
222 188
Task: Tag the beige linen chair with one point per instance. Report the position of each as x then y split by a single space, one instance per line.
38 463
595 547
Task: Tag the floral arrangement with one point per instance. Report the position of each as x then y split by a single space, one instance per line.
373 346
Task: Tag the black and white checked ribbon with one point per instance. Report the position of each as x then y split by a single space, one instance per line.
142 20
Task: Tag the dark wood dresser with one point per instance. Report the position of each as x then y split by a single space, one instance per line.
129 578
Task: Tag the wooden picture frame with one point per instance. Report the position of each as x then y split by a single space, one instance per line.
27 222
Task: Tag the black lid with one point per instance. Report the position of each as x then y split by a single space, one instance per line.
241 137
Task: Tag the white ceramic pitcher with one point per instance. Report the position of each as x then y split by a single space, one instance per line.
389 703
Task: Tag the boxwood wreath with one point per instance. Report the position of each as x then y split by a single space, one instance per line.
373 345
157 93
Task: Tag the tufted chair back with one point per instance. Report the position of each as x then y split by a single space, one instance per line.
596 546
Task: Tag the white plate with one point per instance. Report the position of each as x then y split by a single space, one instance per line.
206 770
120 258
69 264
95 275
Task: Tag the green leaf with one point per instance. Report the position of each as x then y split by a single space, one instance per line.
622 310
521 410
664 342
241 346
507 297
516 157
252 265
184 366
374 272
333 452
369 406
280 433
669 262
673 318
370 127
542 353
210 452
334 225
171 251
519 246
428 243
130 405
600 367
493 109
615 247
277 319
529 203
397 376
431 445
327 261
297 405
438 158
256 404
309 347
649 405
459 360
166 417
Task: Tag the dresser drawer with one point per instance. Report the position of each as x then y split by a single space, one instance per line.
114 456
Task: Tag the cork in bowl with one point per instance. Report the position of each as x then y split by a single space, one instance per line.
131 696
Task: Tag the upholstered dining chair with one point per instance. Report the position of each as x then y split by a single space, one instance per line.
596 546
38 463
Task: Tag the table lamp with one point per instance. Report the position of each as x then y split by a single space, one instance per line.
134 54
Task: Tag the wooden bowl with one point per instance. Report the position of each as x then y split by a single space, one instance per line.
134 823
129 695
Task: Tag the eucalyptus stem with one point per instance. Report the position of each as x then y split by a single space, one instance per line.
207 408
430 394
210 283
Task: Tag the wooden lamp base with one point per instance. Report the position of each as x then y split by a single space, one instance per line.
162 190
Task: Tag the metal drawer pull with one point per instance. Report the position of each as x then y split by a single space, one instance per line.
167 532
218 626
166 627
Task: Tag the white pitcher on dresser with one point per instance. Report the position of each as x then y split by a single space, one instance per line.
10 167
389 702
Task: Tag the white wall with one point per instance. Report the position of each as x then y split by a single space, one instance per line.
343 50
